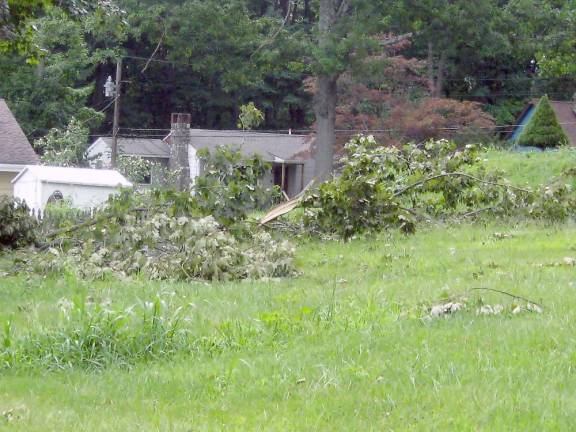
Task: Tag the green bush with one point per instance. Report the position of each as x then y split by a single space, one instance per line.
543 130
17 226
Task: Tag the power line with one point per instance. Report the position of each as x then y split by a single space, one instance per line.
260 134
173 62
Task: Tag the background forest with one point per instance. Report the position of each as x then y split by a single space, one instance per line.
410 69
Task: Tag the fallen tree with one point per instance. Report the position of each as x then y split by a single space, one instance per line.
381 187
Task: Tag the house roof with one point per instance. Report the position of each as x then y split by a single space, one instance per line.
144 147
14 146
272 147
77 176
567 118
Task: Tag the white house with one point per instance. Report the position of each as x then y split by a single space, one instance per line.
290 156
83 187
15 150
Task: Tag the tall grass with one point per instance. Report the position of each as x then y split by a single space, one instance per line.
96 336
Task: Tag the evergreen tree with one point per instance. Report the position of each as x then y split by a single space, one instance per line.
543 129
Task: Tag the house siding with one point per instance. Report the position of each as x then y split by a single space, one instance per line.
99 154
5 183
194 163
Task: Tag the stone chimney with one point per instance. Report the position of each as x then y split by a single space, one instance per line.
179 141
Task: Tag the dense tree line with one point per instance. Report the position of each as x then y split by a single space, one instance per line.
304 63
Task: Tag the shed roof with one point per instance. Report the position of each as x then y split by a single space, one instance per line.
77 176
14 146
144 147
270 146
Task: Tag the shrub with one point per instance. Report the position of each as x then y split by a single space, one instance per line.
65 147
18 226
543 129
136 168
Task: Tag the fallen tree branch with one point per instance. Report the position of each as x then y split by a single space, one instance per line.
457 174
285 207
93 221
508 294
475 212
514 296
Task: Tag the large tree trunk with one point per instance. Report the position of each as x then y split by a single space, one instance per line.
430 61
325 106
440 76
326 92
435 77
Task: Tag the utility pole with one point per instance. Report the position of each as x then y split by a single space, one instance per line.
115 125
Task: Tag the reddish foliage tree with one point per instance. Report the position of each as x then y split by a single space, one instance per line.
433 118
390 97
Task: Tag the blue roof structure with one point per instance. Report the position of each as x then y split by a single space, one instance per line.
522 121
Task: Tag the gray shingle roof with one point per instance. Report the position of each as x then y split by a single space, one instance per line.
14 146
145 147
269 146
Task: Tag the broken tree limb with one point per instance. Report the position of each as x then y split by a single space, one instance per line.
286 207
457 174
508 294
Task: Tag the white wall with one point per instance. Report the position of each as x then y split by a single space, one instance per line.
101 152
193 163
28 188
36 193
81 196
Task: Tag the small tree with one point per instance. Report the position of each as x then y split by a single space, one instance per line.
250 117
65 147
543 129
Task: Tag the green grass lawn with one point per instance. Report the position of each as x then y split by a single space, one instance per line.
341 347
346 345
531 169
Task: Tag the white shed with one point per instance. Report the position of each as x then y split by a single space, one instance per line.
84 187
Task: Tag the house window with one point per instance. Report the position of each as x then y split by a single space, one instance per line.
147 179
55 197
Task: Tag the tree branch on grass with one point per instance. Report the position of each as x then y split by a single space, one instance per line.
457 174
